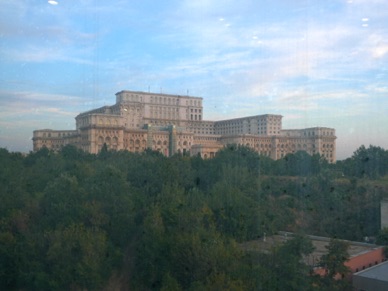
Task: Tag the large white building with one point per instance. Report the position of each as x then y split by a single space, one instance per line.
174 123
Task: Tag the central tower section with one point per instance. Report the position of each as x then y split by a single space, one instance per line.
141 108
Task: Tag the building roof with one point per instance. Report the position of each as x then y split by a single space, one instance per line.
158 94
248 117
319 243
378 272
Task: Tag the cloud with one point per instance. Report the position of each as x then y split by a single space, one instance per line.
379 51
39 54
297 58
32 107
38 97
378 89
36 33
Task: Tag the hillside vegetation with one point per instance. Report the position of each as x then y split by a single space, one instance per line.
141 221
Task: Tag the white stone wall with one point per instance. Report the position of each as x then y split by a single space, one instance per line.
384 213
267 124
164 108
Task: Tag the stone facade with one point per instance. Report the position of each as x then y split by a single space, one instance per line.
174 124
384 213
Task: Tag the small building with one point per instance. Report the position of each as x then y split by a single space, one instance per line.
361 255
384 213
372 279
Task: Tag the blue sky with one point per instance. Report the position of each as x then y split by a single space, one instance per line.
317 63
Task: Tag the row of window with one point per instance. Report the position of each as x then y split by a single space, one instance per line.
163 123
196 110
158 114
200 125
312 133
207 138
164 100
63 134
163 109
133 97
131 109
107 121
111 132
203 132
196 117
83 121
108 140
229 123
171 101
193 103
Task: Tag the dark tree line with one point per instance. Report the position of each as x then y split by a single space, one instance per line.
74 221
369 162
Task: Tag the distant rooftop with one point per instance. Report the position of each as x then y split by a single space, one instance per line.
372 279
319 243
378 272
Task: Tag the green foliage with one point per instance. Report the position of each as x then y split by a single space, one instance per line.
77 221
282 267
289 267
302 164
334 260
334 264
170 284
76 256
240 156
369 162
382 237
8 267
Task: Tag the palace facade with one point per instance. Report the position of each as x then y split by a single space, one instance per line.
174 124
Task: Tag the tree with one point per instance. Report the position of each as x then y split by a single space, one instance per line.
294 273
237 155
334 260
169 283
283 268
334 264
382 239
8 261
77 258
369 162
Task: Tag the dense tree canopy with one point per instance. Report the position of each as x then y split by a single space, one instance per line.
369 162
76 221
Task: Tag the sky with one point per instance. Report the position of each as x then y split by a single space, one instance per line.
317 63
